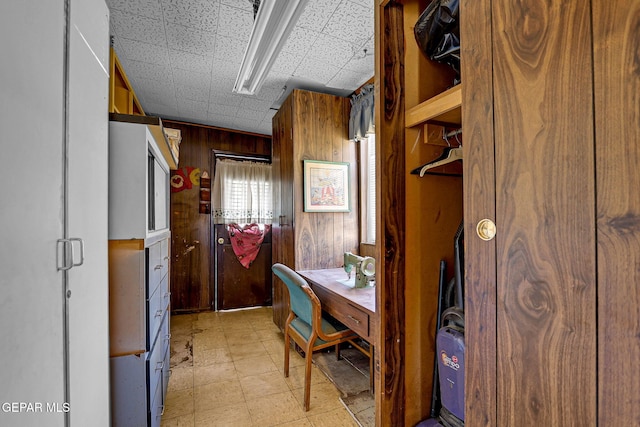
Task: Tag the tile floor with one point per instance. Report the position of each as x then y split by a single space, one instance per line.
227 370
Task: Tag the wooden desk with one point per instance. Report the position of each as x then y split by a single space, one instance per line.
355 307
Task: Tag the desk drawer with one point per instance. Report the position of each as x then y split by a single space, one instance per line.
356 319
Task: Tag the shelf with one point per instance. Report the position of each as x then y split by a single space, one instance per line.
443 109
154 123
122 99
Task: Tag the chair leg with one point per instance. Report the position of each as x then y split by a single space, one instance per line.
308 353
337 351
287 340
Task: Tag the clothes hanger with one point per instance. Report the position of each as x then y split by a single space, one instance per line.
449 155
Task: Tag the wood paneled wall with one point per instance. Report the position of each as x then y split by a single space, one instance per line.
191 258
310 126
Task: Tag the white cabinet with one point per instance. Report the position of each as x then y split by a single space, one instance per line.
54 329
138 181
139 297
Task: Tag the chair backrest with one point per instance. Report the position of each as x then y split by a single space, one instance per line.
300 302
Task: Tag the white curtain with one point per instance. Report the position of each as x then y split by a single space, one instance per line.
242 192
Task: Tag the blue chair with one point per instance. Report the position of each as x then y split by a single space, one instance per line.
307 325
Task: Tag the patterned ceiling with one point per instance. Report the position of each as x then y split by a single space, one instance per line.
182 57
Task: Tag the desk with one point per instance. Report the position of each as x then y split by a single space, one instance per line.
355 307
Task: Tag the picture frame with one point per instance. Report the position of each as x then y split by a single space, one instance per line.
326 186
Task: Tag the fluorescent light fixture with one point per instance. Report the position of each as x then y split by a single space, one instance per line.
272 26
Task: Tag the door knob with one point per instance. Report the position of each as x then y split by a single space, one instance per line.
486 229
220 241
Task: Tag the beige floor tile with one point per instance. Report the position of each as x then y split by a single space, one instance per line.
209 357
275 409
335 418
214 373
235 377
324 397
181 421
181 378
256 386
254 366
296 377
178 403
245 350
182 321
216 395
234 415
208 341
240 336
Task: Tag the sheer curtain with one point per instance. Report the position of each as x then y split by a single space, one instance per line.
242 192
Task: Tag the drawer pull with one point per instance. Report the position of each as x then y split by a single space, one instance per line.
157 267
159 313
161 407
167 294
159 365
168 337
353 318
166 258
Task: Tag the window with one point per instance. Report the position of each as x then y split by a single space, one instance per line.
242 192
368 188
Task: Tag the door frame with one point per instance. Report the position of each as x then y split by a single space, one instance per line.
216 154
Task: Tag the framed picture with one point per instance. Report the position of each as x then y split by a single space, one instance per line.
326 186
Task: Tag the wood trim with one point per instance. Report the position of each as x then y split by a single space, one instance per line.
217 128
390 212
479 202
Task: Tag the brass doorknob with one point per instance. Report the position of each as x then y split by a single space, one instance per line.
486 229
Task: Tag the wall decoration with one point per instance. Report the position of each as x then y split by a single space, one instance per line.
326 186
179 181
205 193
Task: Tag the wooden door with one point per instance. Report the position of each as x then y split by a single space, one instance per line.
616 32
237 286
532 335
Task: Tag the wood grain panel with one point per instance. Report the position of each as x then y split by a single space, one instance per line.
433 211
617 115
192 257
309 126
544 152
479 202
390 198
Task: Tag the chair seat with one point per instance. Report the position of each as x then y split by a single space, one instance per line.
329 326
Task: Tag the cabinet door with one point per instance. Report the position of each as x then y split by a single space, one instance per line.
31 219
87 207
543 151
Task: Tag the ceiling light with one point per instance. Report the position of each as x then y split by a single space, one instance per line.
272 26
